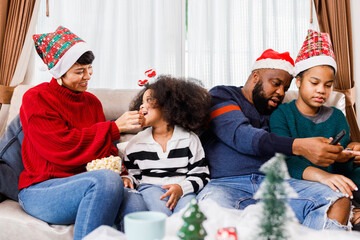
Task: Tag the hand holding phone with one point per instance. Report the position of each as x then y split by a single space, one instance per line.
338 137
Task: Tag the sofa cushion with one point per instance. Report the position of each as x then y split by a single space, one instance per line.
11 164
17 224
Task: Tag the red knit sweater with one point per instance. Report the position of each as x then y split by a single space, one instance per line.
63 131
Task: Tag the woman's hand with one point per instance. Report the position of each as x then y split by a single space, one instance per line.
127 182
130 120
175 192
339 182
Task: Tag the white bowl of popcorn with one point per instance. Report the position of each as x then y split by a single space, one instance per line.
112 163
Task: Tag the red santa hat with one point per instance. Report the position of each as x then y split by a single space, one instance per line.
275 60
317 50
59 50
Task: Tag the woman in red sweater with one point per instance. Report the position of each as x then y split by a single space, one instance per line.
64 129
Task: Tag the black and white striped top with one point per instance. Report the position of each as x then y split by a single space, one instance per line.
183 162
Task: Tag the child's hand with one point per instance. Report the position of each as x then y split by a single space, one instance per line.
355 147
344 156
339 182
127 183
175 192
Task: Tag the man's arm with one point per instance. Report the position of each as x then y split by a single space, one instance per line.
234 129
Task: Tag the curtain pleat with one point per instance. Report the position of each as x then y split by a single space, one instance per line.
334 18
4 7
17 23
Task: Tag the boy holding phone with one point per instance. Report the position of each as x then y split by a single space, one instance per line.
308 117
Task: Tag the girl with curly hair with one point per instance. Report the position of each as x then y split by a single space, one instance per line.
168 151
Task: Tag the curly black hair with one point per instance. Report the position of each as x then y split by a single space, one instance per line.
183 102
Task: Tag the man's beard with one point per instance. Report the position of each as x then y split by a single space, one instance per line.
261 103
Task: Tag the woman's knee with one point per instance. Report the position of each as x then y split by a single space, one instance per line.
133 202
107 181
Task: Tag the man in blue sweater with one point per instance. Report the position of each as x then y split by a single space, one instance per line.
238 142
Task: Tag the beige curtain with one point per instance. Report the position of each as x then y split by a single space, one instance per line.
17 22
334 18
24 65
4 6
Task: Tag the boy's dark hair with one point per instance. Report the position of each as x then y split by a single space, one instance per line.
86 58
183 102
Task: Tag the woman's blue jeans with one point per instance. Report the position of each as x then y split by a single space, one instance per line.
88 200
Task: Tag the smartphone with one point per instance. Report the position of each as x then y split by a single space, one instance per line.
338 137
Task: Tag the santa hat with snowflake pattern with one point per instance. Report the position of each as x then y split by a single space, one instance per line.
59 50
275 60
316 50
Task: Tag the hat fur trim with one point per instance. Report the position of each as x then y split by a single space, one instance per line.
274 64
69 58
313 62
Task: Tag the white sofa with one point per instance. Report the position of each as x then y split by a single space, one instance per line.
16 224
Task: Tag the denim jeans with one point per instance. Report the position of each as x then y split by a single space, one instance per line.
310 208
151 195
89 200
132 202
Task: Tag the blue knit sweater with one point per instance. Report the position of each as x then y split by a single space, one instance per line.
238 141
288 121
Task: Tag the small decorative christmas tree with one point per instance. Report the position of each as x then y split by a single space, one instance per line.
274 192
192 228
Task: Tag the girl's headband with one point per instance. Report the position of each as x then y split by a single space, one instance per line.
151 74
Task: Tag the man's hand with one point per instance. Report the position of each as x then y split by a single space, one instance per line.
175 192
127 183
317 150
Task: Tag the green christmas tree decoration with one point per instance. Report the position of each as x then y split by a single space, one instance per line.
273 194
192 228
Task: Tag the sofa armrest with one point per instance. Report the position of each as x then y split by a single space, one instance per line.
16 224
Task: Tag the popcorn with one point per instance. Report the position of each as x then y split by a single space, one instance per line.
111 163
